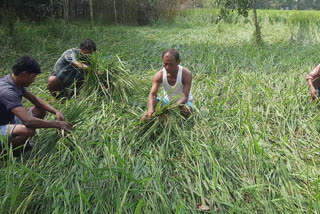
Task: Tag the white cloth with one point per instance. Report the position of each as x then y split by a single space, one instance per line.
174 91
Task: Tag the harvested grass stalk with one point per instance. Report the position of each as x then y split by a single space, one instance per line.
112 79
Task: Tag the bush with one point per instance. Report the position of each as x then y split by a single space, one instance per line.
159 9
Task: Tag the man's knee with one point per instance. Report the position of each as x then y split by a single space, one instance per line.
30 132
54 83
23 131
52 80
38 113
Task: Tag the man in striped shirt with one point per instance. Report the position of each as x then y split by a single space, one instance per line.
70 68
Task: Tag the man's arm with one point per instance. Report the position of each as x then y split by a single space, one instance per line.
186 81
39 103
152 98
33 122
156 81
311 78
80 65
72 58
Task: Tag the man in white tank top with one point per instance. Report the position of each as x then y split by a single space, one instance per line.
176 81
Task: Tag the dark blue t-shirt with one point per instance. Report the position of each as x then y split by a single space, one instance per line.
10 98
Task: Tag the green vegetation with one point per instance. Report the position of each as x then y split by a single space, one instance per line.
251 145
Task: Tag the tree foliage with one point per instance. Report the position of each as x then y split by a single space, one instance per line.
117 11
273 4
242 7
34 9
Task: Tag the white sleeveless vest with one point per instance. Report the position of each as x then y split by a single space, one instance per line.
175 91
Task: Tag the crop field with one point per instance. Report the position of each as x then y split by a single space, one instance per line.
251 145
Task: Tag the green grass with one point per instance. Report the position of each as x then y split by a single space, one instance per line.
251 145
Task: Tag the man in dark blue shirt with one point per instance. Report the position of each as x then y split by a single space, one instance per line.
17 123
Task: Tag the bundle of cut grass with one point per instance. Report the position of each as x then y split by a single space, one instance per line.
76 111
167 124
112 79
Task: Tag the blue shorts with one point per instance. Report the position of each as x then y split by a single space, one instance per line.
165 102
7 130
5 134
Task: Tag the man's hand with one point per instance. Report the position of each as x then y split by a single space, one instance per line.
59 116
147 115
185 109
314 93
80 65
64 125
84 66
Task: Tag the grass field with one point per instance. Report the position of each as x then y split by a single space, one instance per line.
251 145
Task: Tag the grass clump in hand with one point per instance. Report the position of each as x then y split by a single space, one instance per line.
167 122
112 79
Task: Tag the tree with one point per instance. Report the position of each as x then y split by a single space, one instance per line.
115 12
242 7
91 12
66 10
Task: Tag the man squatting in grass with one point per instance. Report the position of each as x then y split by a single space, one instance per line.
71 68
17 123
176 81
313 79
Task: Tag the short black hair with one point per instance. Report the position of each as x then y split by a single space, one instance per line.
88 44
26 63
174 52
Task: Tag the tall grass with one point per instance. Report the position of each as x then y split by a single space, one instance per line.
250 146
111 79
